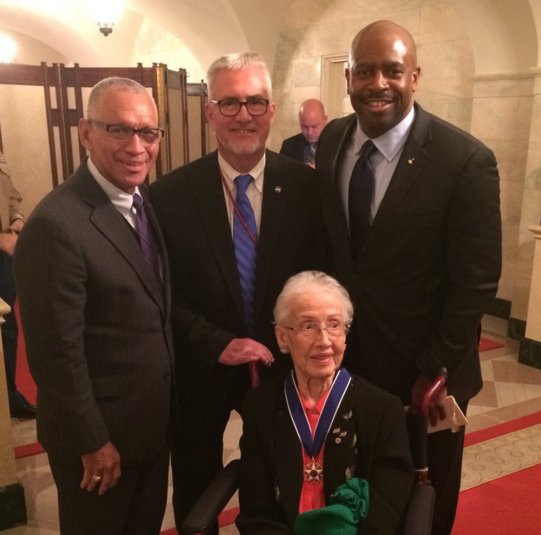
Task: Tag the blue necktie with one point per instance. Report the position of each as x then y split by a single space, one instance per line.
245 247
146 237
361 191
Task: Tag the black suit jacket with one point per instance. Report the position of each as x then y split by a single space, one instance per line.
374 447
294 147
207 311
95 325
430 265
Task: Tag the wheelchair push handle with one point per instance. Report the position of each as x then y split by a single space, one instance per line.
433 391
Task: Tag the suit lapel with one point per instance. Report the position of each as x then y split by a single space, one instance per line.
288 456
275 201
412 161
209 193
106 218
339 445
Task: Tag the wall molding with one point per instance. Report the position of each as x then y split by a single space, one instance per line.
12 506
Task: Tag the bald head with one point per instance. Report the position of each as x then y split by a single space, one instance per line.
382 76
312 119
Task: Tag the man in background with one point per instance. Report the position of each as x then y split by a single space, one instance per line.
303 146
92 277
412 206
237 223
11 223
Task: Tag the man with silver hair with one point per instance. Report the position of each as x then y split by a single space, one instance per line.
93 285
238 223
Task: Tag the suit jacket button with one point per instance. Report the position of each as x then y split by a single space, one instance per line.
167 375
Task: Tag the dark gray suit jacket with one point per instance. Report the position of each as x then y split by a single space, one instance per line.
207 311
95 325
430 265
373 446
294 147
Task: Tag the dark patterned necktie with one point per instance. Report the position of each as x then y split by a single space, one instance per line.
311 156
361 191
146 237
245 241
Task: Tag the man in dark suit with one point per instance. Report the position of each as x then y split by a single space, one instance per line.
92 279
303 146
220 323
416 231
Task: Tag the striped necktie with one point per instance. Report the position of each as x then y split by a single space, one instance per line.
245 242
147 241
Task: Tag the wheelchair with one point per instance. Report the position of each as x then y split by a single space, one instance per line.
419 512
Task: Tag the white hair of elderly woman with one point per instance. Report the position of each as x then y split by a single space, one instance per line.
309 281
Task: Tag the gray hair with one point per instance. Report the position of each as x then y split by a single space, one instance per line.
124 84
307 281
238 61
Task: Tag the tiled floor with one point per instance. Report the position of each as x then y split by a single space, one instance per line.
510 391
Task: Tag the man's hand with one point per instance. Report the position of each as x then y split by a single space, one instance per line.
436 409
243 350
16 226
101 468
7 242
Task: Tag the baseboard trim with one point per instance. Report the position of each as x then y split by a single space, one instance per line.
529 353
516 329
12 506
500 308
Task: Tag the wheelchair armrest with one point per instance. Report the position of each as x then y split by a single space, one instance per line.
419 511
211 503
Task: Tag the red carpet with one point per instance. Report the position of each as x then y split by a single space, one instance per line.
502 506
486 345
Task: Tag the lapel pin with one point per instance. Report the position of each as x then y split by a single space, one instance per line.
343 434
338 440
411 160
336 431
278 189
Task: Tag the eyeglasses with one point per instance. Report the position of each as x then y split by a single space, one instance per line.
231 106
119 132
310 329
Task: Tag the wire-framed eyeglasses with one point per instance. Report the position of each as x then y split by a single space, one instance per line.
310 329
120 132
231 106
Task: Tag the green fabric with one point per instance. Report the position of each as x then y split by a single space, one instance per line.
349 505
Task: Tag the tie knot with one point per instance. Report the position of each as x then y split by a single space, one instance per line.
242 182
137 201
367 149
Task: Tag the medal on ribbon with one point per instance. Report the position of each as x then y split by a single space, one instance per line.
313 471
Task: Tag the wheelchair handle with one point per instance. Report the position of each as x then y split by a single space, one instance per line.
434 389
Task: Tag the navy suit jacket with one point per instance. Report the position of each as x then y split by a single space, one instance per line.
430 265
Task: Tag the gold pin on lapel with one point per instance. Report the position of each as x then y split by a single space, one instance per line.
338 440
411 160
278 189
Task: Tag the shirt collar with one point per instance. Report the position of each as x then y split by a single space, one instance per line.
390 143
119 198
229 173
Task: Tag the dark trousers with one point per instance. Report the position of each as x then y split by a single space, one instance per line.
444 451
10 331
135 506
197 450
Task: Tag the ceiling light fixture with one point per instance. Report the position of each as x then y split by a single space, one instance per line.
8 49
105 12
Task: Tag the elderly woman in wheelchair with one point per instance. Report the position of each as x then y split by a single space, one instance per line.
322 452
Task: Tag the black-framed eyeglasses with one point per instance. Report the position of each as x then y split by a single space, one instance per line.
310 329
121 132
231 106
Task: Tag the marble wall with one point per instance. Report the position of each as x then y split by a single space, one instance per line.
500 109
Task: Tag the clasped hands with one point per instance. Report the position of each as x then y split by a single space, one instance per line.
244 350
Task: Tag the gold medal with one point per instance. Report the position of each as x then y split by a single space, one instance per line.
313 472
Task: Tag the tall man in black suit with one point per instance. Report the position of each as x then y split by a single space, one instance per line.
218 326
422 256
92 279
303 146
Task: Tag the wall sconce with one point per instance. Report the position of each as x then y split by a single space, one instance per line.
8 49
105 12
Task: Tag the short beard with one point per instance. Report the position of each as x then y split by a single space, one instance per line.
244 150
